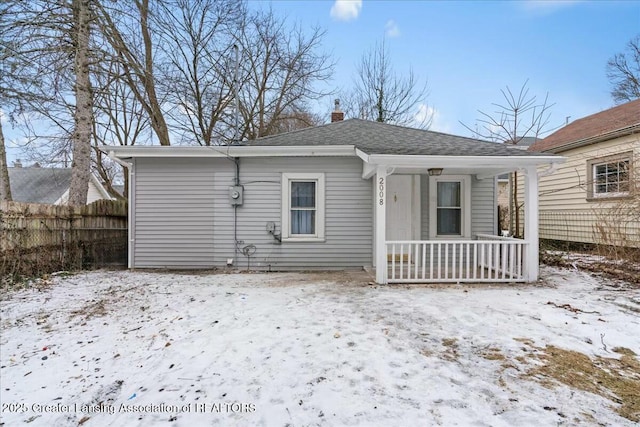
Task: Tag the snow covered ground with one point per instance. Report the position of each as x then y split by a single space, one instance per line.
123 348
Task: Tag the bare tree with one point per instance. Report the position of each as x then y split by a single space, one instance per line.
623 72
280 71
198 40
383 95
81 167
119 118
178 59
126 28
5 187
36 79
295 120
48 48
519 116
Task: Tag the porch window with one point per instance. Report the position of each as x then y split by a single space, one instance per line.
609 176
449 206
303 207
449 209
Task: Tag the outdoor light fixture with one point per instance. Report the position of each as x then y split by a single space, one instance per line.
435 171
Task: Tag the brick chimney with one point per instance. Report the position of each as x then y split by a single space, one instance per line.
337 115
17 163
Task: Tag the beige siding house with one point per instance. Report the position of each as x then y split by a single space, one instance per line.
594 197
506 199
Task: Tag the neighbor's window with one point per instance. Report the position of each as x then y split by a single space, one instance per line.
303 206
610 176
450 204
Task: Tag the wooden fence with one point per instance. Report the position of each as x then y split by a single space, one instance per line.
38 239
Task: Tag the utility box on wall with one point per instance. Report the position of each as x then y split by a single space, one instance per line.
236 195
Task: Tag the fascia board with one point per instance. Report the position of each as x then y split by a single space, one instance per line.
364 156
478 162
232 151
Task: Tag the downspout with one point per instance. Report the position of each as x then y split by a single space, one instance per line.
130 210
236 161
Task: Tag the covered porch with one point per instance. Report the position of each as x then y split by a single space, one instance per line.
435 219
487 259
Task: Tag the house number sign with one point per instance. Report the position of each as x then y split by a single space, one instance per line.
381 191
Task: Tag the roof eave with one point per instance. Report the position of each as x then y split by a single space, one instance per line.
628 130
479 162
124 152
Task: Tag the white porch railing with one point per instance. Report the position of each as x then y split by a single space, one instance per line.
491 259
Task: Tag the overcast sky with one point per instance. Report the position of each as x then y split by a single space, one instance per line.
470 50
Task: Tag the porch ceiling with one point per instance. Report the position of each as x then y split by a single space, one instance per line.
480 166
454 171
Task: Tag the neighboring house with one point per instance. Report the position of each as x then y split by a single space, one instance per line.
505 189
594 197
48 185
118 188
418 205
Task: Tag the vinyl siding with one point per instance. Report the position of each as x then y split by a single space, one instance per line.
483 207
183 217
566 189
348 215
565 211
173 220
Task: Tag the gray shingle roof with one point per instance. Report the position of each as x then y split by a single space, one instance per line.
381 138
39 185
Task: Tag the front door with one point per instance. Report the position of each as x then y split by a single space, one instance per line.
403 209
399 207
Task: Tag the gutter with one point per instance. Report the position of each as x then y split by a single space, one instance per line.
116 159
229 151
130 212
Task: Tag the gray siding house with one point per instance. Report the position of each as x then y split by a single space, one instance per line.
415 205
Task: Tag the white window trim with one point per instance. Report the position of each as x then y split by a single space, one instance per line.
465 184
594 163
319 236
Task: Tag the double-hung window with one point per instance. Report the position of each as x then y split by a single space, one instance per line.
609 176
303 206
449 206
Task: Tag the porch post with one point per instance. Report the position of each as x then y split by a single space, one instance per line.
531 223
380 201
